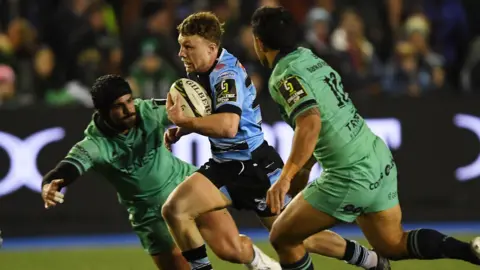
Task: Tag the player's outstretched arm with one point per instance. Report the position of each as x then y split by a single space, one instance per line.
79 160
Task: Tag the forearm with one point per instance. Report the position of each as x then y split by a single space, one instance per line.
304 141
300 181
64 170
215 125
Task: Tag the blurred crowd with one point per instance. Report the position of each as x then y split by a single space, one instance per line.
51 51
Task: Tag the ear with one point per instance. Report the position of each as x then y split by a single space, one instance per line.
260 45
212 47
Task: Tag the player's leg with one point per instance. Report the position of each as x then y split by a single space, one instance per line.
326 243
327 200
220 232
172 259
155 238
385 233
195 196
296 223
381 223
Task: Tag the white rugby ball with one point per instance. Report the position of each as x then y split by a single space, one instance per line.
195 100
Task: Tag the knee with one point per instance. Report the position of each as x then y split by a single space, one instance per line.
279 237
172 211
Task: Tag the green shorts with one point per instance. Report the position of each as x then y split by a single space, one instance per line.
147 222
370 185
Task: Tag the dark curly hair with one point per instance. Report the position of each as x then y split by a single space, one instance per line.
275 27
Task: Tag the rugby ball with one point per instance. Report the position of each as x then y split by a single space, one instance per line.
194 99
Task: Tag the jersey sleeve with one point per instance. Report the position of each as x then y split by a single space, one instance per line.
295 96
84 155
228 92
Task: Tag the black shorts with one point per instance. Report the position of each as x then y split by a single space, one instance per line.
246 182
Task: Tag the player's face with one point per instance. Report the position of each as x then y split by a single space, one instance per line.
258 45
123 112
196 52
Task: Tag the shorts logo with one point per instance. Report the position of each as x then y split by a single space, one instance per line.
261 204
352 209
375 185
226 91
292 90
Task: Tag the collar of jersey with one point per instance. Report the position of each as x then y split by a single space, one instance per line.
280 55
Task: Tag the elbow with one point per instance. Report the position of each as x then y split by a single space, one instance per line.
230 131
230 126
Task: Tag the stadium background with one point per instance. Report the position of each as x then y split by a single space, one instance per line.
412 67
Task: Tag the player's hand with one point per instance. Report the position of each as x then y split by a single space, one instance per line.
276 194
51 194
171 136
174 110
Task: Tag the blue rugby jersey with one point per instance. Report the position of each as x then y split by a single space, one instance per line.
232 90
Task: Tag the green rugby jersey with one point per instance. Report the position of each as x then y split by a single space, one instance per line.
137 163
301 80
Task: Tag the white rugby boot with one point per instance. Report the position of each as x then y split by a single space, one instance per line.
261 261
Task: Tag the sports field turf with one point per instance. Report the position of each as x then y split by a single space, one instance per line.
130 257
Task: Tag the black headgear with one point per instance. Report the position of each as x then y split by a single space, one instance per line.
107 89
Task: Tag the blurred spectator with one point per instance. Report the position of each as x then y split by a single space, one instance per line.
92 44
23 39
417 32
49 83
449 33
359 66
317 31
470 73
151 76
404 75
7 87
156 27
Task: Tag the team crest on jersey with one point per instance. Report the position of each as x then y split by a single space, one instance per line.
226 91
292 90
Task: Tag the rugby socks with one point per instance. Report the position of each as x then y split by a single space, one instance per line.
305 263
359 255
429 244
197 258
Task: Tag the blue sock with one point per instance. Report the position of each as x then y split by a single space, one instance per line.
197 258
304 263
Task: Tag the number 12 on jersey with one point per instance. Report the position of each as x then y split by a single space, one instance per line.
337 88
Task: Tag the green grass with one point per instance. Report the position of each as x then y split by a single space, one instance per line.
130 258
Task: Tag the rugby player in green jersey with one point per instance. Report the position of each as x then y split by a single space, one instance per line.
359 178
124 143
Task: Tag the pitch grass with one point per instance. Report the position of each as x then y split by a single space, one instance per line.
133 258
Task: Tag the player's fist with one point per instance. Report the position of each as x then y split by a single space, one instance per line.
276 195
51 194
171 136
